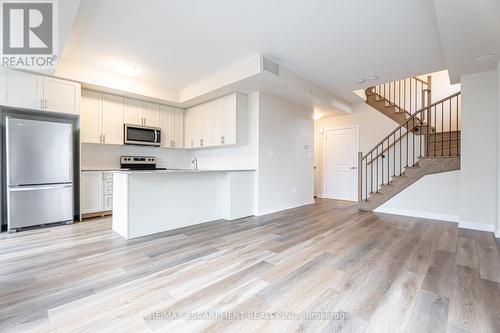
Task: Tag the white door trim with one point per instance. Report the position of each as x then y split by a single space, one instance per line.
325 148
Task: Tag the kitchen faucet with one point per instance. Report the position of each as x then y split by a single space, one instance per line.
195 163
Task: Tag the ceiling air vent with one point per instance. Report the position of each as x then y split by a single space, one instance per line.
270 66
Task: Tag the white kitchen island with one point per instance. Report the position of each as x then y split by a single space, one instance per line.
148 202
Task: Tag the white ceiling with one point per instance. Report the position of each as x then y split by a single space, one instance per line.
469 29
333 43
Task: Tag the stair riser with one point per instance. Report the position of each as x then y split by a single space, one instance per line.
444 136
445 144
443 152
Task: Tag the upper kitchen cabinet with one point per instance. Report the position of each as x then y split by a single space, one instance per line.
61 95
91 117
33 91
3 90
23 90
220 122
112 119
151 115
133 112
101 119
172 127
142 113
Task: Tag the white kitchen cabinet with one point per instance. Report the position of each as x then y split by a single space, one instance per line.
90 117
151 114
96 192
91 192
172 127
101 118
141 113
217 123
133 112
107 181
112 119
33 91
24 90
3 87
61 95
178 117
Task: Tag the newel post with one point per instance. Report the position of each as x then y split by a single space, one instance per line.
429 99
360 176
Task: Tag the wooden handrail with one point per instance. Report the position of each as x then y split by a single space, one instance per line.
411 118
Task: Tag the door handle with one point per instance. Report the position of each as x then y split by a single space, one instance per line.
352 168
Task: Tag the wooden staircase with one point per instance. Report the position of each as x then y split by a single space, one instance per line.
427 140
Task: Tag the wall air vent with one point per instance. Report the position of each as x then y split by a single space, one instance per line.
270 66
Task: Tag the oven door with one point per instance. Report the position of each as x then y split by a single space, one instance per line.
142 135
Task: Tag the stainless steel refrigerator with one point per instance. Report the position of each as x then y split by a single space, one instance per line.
39 172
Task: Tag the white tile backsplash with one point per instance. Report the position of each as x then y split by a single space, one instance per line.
96 156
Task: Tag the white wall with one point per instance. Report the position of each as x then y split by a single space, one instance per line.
286 139
479 150
95 156
236 157
498 159
433 196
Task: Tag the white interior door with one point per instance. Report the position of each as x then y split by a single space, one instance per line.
341 171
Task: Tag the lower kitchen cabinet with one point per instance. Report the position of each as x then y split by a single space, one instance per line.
96 195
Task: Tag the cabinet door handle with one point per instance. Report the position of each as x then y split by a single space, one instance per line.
201 142
222 139
172 143
192 143
104 138
100 138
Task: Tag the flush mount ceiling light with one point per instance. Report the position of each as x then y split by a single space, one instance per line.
361 81
373 77
126 69
484 57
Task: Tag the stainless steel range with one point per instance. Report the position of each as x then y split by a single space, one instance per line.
139 163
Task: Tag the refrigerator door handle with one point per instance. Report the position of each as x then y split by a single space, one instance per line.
40 187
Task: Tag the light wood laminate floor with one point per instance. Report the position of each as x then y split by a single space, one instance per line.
325 267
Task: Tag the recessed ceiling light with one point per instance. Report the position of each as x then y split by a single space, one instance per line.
373 77
484 57
126 69
361 81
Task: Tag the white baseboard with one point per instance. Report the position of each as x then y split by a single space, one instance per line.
271 211
476 226
416 213
497 234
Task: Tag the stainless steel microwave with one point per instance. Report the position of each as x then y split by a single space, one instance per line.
141 135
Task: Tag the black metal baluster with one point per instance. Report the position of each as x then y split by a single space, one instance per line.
382 155
394 157
371 173
449 129
442 129
366 177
